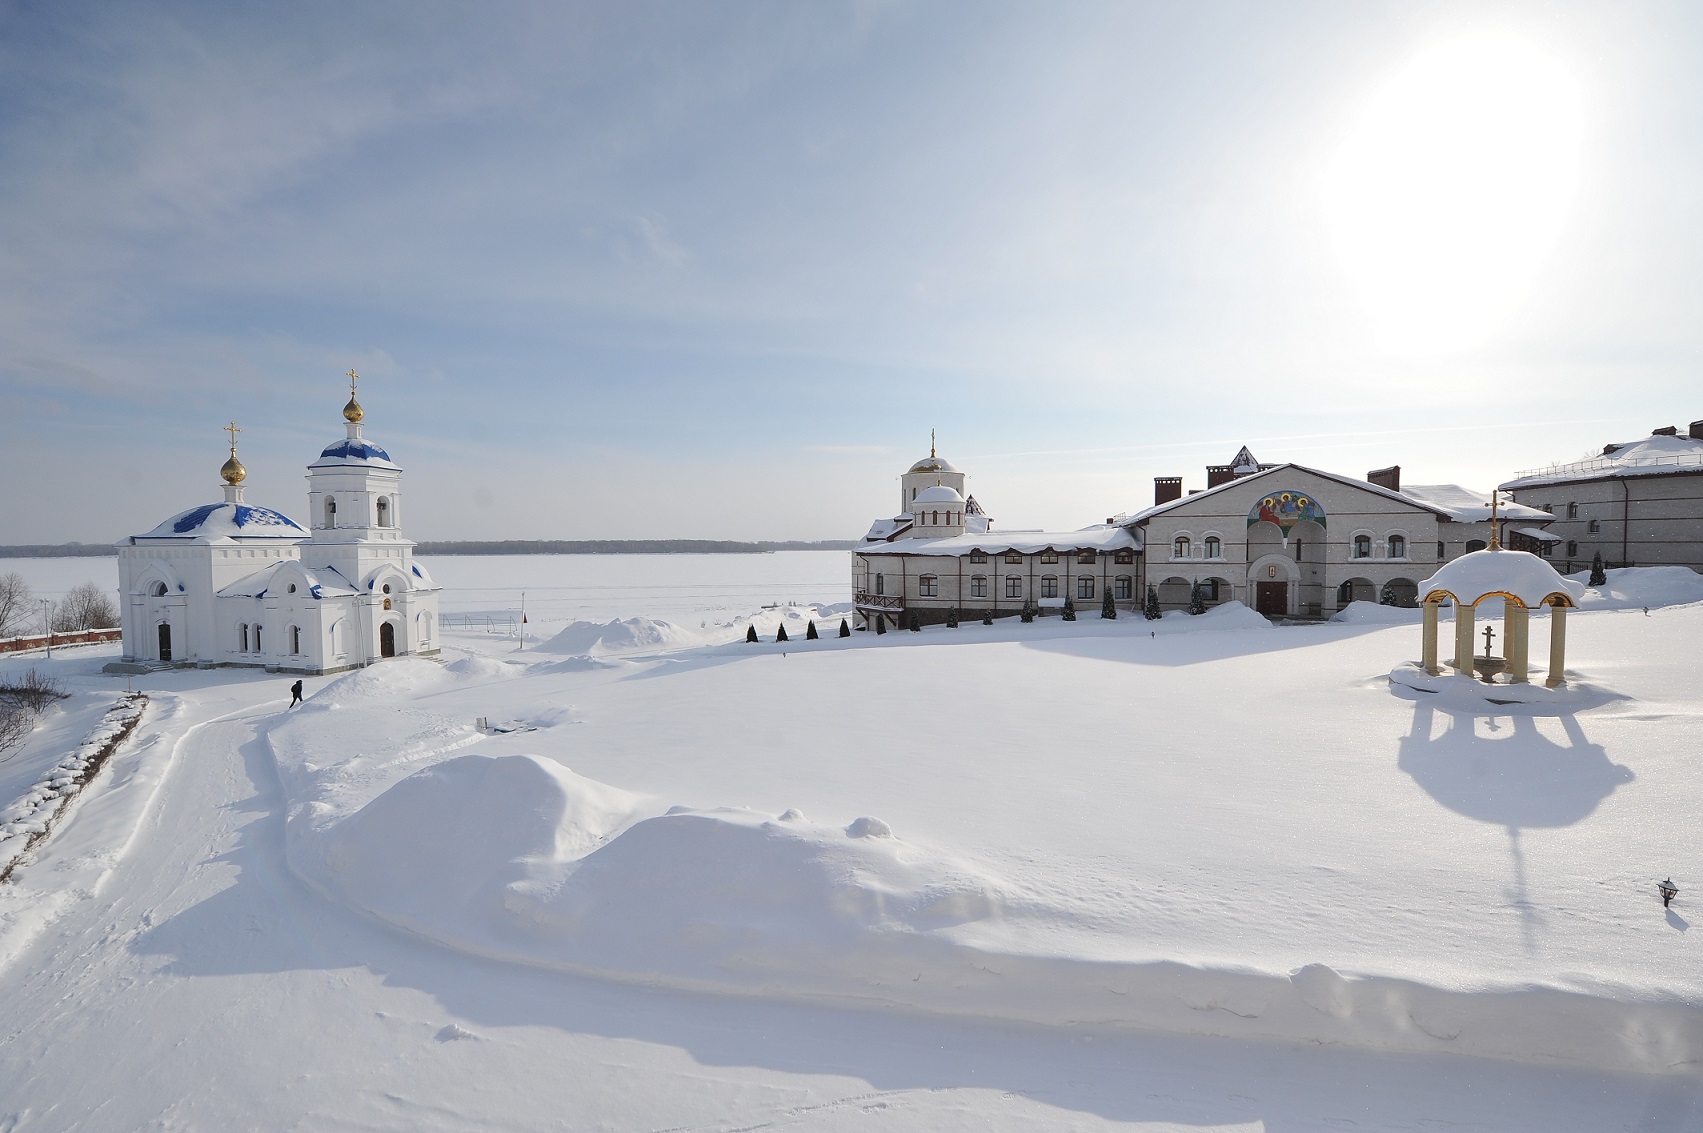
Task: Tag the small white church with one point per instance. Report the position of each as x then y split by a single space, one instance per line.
234 584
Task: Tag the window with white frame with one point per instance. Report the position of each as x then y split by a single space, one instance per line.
1398 547
1362 546
1214 547
1180 548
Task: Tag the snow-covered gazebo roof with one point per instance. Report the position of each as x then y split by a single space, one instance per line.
1500 573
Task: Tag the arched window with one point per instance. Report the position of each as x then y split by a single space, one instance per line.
1214 547
928 586
1362 546
1085 557
158 590
1014 558
257 639
295 639
1180 549
934 518
881 584
1125 558
1572 548
1049 586
1398 546
242 638
291 588
1049 556
383 512
330 511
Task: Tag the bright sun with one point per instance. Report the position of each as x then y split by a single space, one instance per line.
1452 187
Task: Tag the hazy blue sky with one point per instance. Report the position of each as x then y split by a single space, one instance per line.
713 270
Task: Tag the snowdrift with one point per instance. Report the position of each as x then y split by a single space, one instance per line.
628 635
1373 614
517 858
1636 587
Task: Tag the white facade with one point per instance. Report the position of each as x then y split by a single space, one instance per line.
231 584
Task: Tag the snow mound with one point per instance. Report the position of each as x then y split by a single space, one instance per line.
629 635
396 680
517 857
1635 587
1373 614
1225 615
485 668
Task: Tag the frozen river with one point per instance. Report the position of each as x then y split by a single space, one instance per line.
685 589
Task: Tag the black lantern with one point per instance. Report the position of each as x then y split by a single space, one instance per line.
1668 890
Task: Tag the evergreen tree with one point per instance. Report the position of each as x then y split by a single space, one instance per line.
1108 608
1028 614
916 622
1151 609
987 617
845 630
1599 576
1069 608
952 618
751 633
880 623
780 634
810 633
1197 599
1387 596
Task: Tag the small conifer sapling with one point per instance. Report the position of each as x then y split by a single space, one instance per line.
1108 608
780 634
810 633
1150 610
750 633
845 630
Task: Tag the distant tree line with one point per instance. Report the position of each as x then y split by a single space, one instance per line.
58 551
624 547
85 606
505 547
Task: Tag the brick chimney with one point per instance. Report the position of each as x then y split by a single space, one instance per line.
1217 474
1386 477
1166 489
1665 431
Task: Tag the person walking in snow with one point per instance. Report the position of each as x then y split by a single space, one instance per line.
295 694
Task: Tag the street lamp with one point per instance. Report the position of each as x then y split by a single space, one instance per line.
47 624
1668 890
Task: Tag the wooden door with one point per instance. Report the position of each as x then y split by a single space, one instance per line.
165 641
387 640
1271 598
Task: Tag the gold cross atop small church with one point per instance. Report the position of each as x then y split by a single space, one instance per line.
233 431
353 378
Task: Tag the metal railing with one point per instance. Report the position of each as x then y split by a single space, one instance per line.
1610 464
487 623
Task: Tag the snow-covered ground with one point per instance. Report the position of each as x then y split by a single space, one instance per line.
1062 875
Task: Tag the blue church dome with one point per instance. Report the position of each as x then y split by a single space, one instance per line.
228 520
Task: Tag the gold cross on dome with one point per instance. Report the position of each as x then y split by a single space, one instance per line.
233 431
353 378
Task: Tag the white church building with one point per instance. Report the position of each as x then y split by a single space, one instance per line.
234 584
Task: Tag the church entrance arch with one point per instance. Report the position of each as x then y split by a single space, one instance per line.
387 639
1273 580
165 641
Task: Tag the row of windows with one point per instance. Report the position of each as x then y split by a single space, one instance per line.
1395 547
1211 545
928 586
952 518
1085 557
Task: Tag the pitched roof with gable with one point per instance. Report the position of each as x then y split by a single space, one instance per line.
1140 518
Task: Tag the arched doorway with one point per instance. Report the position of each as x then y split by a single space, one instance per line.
387 639
165 641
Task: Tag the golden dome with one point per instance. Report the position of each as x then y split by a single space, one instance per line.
233 472
353 410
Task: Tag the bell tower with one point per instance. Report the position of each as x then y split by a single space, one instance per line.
355 503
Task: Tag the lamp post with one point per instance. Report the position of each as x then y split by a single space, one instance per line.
1668 890
47 624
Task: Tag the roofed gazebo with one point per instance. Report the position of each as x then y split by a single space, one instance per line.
1526 582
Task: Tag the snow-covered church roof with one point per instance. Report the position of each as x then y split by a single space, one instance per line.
227 521
1464 505
322 582
353 450
939 494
